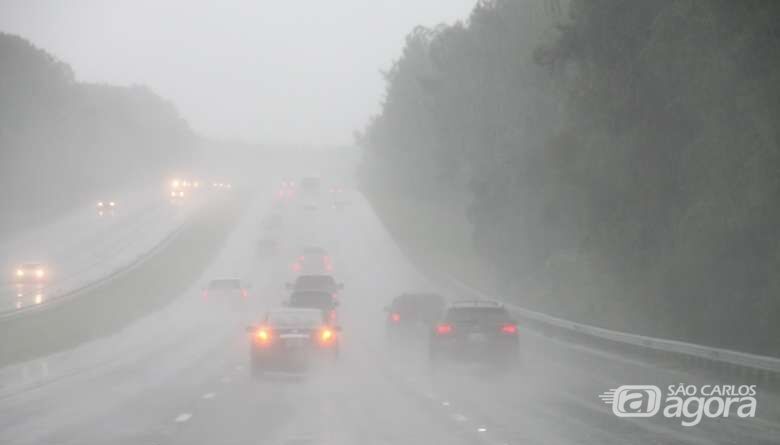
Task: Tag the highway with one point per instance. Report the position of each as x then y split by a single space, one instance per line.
82 247
180 375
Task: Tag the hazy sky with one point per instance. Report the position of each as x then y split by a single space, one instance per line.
301 71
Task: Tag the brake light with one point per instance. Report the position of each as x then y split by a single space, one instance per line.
332 315
444 329
326 335
395 317
509 328
296 267
205 295
263 336
244 293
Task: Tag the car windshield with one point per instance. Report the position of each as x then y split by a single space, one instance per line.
225 285
295 318
314 251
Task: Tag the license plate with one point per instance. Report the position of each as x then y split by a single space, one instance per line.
294 343
477 337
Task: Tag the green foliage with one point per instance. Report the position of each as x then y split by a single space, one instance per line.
64 141
630 162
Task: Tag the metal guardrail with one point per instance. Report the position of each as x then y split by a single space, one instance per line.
734 358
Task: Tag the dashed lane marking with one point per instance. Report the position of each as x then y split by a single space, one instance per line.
209 395
183 417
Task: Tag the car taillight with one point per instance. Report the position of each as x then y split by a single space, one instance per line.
444 329
244 293
296 267
205 295
263 336
509 328
395 317
332 315
326 335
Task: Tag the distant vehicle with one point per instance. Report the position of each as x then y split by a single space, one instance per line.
338 198
30 273
177 196
413 313
310 185
313 260
324 283
478 330
291 339
286 189
227 290
105 208
315 299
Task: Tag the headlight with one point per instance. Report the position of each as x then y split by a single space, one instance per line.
175 183
112 203
39 273
19 273
100 204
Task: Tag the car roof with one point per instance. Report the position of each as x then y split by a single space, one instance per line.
313 249
311 291
315 276
462 304
222 280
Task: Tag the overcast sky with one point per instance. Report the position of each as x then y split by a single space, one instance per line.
290 71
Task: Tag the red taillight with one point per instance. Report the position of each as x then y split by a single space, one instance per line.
395 317
296 267
326 336
509 328
244 293
444 329
205 295
263 336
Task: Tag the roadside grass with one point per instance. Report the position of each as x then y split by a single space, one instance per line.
145 289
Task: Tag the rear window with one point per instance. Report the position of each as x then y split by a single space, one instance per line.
299 318
477 314
314 251
320 300
314 281
225 285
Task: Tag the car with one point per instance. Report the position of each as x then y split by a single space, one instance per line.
310 185
475 330
316 282
410 314
291 340
105 208
30 273
324 301
286 189
313 259
230 291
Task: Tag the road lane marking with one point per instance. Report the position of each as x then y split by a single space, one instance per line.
183 417
481 429
209 395
460 417
445 403
225 380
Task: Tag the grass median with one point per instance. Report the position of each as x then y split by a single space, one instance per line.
142 290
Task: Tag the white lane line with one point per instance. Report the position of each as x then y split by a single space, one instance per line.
209 395
445 403
481 429
183 417
460 417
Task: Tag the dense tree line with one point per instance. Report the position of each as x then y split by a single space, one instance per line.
625 156
62 142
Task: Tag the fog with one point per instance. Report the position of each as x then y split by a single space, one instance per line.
303 72
399 222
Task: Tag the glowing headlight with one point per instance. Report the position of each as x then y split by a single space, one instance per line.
112 203
100 204
40 273
19 273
